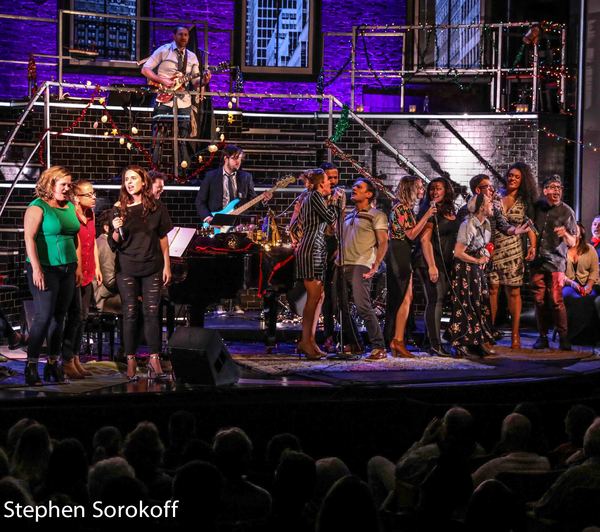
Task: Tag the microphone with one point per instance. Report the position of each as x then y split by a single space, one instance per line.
117 214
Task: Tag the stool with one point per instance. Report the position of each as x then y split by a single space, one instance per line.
98 323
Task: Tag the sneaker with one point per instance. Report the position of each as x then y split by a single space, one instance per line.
238 310
564 344
220 310
541 343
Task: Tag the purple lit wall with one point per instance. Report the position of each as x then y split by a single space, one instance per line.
19 38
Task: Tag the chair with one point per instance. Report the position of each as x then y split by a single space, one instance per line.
529 486
97 324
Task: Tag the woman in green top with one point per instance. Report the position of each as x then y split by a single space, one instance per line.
51 226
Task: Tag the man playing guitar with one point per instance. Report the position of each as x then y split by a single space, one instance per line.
165 67
225 184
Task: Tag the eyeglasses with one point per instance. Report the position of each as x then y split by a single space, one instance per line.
88 195
555 187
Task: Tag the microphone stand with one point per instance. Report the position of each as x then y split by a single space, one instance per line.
342 293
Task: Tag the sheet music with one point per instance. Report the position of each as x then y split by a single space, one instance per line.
179 239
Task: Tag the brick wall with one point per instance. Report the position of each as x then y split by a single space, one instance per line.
299 146
20 38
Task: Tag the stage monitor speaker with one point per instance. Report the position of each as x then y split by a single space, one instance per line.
199 356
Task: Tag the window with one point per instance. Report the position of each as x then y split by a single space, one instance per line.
278 36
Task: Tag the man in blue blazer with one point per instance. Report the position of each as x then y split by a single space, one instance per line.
224 184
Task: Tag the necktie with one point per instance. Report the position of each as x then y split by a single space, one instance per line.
232 187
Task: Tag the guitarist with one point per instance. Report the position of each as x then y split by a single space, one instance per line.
164 66
225 184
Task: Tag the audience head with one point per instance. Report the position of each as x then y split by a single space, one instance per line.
295 479
278 444
158 183
532 412
458 432
54 184
516 433
440 191
144 449
12 490
105 470
410 190
591 440
233 452
348 506
198 486
30 459
196 449
553 189
577 421
107 442
494 508
67 466
233 157
520 177
328 470
14 433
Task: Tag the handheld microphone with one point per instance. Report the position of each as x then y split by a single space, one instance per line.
117 214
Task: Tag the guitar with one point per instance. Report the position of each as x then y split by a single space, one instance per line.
165 94
230 207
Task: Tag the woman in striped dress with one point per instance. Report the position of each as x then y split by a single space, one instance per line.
318 210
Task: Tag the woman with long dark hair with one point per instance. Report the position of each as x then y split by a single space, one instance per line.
508 268
139 238
403 228
316 213
434 260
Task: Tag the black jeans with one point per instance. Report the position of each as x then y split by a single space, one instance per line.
435 294
50 308
76 317
130 288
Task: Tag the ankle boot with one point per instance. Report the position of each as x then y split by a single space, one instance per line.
32 377
53 371
84 372
70 370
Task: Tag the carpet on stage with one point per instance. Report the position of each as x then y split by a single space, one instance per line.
104 375
292 365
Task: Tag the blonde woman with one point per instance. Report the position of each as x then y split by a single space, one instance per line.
51 228
403 228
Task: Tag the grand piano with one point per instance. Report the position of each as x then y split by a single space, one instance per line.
216 268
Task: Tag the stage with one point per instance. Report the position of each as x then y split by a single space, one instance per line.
279 392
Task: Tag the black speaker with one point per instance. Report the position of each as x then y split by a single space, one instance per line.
199 356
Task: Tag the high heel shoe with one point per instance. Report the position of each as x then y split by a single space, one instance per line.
399 349
154 373
32 377
53 371
309 351
515 342
132 368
